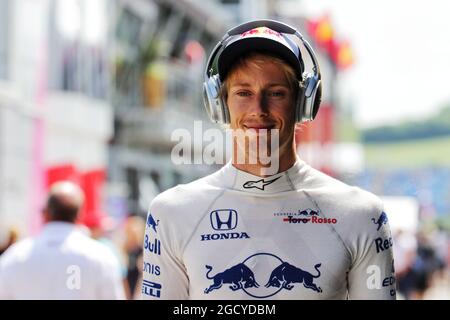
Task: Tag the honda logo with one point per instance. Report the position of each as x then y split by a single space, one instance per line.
223 219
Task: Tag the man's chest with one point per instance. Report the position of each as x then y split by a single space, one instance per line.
261 248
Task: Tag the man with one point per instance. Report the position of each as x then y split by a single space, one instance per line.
62 262
241 233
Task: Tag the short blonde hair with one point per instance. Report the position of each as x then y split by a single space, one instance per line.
259 59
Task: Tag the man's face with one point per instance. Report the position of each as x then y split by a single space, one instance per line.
259 97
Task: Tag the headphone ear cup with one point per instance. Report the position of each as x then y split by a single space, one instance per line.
312 97
214 105
317 100
300 111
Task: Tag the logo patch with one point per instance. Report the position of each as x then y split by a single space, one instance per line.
259 184
223 219
276 273
151 223
313 220
382 219
286 273
151 288
304 213
305 216
260 30
152 269
153 246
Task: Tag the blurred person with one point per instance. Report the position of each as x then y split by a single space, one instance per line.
61 262
426 265
440 281
103 229
245 233
441 241
134 237
8 239
405 252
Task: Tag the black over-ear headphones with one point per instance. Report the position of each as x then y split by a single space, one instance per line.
309 97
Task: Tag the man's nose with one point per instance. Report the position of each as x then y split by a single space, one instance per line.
259 107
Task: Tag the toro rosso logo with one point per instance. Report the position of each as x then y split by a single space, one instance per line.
382 219
306 216
276 274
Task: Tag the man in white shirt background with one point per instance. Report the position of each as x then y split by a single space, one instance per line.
62 262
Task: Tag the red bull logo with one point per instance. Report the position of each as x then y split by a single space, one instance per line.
382 219
285 274
239 276
153 246
151 223
259 31
279 275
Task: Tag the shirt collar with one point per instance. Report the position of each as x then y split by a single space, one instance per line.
58 227
280 182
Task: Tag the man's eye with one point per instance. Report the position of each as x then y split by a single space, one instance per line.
243 93
276 94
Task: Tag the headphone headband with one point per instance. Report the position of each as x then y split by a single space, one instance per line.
271 24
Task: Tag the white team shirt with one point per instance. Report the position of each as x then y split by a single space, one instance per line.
299 234
60 263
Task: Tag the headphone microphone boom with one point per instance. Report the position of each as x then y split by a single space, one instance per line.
271 36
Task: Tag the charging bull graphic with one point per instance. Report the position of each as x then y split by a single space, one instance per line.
151 222
240 276
382 219
308 212
285 274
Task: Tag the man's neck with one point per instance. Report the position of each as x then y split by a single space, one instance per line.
286 160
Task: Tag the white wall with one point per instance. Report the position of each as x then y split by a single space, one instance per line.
77 129
16 125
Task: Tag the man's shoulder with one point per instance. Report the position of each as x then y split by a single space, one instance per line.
17 251
347 199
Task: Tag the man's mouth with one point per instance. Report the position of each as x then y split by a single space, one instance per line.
257 126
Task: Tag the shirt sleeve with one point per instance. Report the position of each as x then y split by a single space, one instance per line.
372 274
164 275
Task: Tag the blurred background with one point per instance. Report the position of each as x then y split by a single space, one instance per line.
90 91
